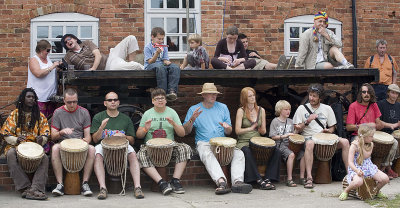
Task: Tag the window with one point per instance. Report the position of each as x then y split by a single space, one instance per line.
171 15
297 25
52 27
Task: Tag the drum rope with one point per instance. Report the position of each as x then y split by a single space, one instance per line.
368 190
123 177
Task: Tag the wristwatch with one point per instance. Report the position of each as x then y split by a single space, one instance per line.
306 123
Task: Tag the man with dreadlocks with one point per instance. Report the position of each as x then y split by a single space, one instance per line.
319 47
26 124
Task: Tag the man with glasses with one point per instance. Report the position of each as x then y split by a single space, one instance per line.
311 118
87 54
162 121
113 123
71 121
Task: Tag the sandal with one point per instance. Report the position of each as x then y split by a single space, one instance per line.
36 195
263 185
222 188
302 181
309 183
381 195
343 196
270 184
291 183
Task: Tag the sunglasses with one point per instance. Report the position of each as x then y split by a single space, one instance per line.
365 92
67 39
71 102
48 50
110 100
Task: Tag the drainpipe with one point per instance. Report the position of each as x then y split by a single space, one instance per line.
353 10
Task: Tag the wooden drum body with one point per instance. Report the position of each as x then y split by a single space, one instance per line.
363 192
262 149
73 154
29 156
160 151
324 149
296 143
396 168
114 153
382 144
223 148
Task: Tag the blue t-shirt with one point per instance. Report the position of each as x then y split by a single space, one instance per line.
207 124
149 52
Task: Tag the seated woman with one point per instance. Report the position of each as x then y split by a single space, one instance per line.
250 122
230 53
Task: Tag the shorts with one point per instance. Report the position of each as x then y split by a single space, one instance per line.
99 149
181 152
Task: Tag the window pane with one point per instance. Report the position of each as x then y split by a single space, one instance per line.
42 32
173 42
191 25
184 44
172 25
157 4
157 22
56 31
304 29
191 4
294 32
56 47
333 30
172 4
72 30
294 46
86 32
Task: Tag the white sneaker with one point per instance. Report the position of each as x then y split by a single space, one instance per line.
86 190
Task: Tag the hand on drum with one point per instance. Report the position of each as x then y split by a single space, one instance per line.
67 131
119 134
104 123
326 131
360 173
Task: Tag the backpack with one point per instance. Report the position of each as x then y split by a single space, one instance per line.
390 58
338 170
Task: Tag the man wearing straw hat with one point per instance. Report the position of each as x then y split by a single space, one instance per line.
212 119
390 110
319 47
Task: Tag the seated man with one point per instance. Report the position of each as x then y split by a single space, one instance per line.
162 121
86 55
212 119
26 124
71 121
113 123
319 47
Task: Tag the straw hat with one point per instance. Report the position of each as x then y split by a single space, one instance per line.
209 88
394 88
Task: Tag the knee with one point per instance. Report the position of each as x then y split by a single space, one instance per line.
345 143
11 154
310 145
55 150
291 156
99 158
132 156
91 152
131 38
45 160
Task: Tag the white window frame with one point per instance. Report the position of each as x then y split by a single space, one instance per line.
305 21
175 13
64 20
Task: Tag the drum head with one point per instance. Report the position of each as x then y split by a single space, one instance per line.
159 142
396 134
263 141
114 141
383 137
325 138
297 138
74 145
30 150
223 141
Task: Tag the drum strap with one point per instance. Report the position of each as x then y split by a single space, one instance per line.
366 110
317 120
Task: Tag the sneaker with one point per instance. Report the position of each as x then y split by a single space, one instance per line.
281 62
240 187
59 190
349 66
390 172
138 193
165 188
171 96
102 194
176 186
85 190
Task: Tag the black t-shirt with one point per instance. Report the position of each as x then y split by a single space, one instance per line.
390 113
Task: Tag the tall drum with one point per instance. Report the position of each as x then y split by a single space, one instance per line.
223 148
160 151
29 156
296 143
262 149
382 144
115 150
396 135
324 149
73 154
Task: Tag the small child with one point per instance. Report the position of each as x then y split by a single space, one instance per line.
156 58
360 164
280 129
197 55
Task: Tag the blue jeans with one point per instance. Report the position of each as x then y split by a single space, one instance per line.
380 91
167 76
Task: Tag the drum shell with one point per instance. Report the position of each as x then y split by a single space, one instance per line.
160 156
223 154
261 153
73 160
362 191
398 147
114 157
381 150
295 147
324 152
29 164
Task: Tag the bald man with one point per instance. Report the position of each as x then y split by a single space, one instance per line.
113 123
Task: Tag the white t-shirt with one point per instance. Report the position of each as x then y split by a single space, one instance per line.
43 86
320 54
325 115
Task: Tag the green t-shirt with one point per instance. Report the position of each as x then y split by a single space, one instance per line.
120 124
160 128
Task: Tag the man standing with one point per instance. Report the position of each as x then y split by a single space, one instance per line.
26 124
113 123
387 66
311 118
390 110
319 47
86 55
212 119
71 121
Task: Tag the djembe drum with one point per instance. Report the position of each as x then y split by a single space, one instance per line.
262 148
296 143
29 156
382 144
160 151
324 149
396 135
223 148
73 154
365 191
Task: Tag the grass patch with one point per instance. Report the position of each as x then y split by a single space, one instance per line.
387 203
